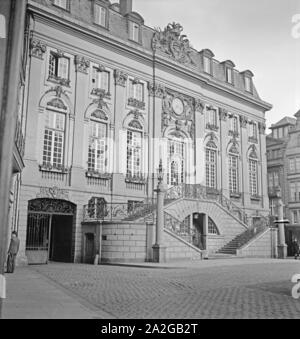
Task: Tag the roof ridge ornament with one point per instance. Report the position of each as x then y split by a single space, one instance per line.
171 42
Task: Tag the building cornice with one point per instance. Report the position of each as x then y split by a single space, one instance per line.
48 16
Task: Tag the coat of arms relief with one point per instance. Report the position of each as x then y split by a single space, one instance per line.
170 41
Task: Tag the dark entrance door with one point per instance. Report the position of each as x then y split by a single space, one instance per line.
50 230
89 252
61 238
198 222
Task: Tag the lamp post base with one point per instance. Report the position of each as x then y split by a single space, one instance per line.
159 254
282 251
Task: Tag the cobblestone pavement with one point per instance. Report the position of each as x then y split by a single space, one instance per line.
209 289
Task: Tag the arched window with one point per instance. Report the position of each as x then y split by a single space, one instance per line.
54 139
175 175
233 165
253 173
211 164
97 153
134 149
212 227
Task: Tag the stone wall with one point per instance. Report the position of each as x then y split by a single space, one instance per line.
262 246
124 242
178 248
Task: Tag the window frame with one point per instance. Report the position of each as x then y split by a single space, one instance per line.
54 132
131 173
100 71
211 176
94 169
53 75
103 7
233 168
253 177
68 5
131 25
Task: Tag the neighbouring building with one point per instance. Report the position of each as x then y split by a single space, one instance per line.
107 98
283 157
13 60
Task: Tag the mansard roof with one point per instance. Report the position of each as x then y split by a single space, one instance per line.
284 122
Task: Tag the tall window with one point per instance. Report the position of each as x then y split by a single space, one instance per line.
292 165
58 66
253 130
175 174
234 124
295 218
293 192
100 79
97 156
100 15
211 116
54 135
134 153
253 177
134 31
211 166
233 173
136 90
61 3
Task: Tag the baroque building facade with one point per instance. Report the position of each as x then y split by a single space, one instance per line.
283 160
108 99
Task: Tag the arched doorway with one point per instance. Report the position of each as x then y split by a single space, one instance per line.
50 231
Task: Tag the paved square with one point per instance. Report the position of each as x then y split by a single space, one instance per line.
234 288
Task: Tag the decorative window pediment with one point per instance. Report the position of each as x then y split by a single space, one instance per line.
99 114
253 153
57 103
135 124
211 144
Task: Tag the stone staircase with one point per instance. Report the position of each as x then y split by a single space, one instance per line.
241 240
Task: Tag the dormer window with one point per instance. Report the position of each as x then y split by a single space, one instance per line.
61 3
134 31
229 75
100 15
207 56
248 75
248 84
228 67
207 65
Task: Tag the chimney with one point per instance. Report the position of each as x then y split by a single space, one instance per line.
125 7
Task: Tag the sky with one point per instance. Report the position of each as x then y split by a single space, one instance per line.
258 35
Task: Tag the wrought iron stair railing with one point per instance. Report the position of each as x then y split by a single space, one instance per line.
200 192
182 230
118 211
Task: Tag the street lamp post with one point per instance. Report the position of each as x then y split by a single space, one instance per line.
282 247
159 250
